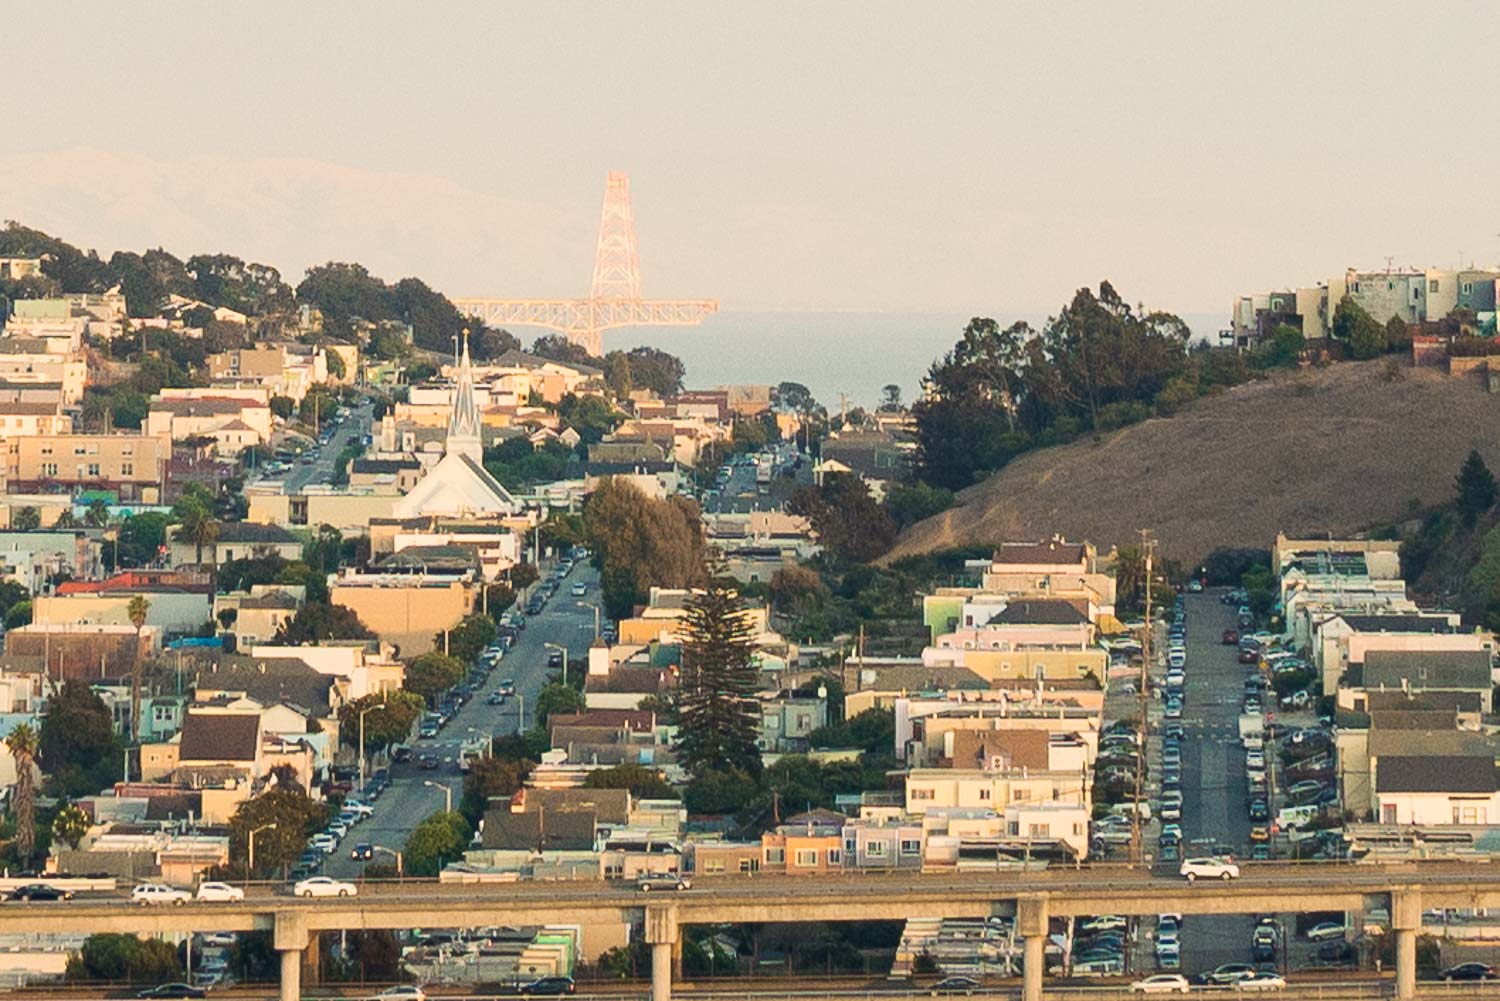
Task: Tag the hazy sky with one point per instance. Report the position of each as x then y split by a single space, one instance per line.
985 157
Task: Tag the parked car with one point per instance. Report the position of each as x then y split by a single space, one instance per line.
550 986
1326 931
219 892
1162 983
1208 868
37 892
159 893
324 886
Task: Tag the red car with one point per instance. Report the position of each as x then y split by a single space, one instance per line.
1249 657
1231 637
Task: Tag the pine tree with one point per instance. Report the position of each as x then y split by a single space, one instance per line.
1476 488
717 716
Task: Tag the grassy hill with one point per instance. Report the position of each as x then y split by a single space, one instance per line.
1338 449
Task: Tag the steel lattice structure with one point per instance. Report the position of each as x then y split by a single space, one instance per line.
614 295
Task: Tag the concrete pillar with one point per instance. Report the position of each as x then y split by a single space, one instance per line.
661 971
291 974
290 938
662 934
1031 925
1406 921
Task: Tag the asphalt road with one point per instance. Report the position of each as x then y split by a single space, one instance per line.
299 475
1214 782
409 800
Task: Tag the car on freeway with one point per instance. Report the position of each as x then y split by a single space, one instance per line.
1228 973
649 881
1162 983
954 985
219 892
159 893
550 986
38 892
1208 868
1326 931
173 991
1469 971
401 992
324 886
1261 980
362 852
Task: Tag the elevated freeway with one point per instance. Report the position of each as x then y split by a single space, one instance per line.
1033 898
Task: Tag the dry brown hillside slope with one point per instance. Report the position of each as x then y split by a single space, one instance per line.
1337 449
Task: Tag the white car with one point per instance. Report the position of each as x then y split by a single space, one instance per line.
1262 981
324 886
159 893
1208 868
355 806
1326 932
1162 983
220 892
401 992
325 843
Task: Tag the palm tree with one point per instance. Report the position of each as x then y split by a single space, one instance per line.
198 526
97 516
137 610
23 747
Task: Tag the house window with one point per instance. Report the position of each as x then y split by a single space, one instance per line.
714 865
875 849
749 865
93 469
46 449
775 856
1040 830
984 793
851 846
127 469
78 450
1356 286
1432 286
835 857
910 847
1468 288
1387 813
1389 286
807 858
49 469
923 794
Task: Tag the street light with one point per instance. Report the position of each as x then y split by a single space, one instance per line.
447 794
564 651
378 705
589 604
262 827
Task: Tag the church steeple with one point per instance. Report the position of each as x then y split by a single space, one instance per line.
464 436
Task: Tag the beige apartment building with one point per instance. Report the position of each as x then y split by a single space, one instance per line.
131 465
408 610
24 361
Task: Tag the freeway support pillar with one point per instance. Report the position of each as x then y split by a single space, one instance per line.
1031 925
1406 921
661 934
290 939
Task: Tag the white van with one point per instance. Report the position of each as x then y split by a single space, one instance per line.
1296 816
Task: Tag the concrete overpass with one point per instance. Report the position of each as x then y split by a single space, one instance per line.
1406 889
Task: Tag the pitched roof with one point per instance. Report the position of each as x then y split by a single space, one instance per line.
550 831
1039 611
917 678
1015 748
269 680
255 533
1439 743
1397 623
220 737
384 465
630 681
1427 669
610 806
1436 773
206 406
1058 551
635 720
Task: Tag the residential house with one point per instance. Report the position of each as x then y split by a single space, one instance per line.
1437 789
1419 672
129 466
240 540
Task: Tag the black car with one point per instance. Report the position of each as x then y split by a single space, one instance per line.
400 752
1469 971
39 891
550 986
428 762
173 991
954 985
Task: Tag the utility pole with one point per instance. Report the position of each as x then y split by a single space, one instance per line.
1143 697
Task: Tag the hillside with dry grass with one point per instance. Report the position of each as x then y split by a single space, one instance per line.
1336 449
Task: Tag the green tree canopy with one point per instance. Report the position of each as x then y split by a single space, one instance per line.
491 777
557 698
388 724
639 542
1360 332
850 524
432 673
317 621
467 640
643 782
77 743
718 719
1475 487
118 957
435 842
296 817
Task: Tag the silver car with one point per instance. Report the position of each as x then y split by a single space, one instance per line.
662 881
